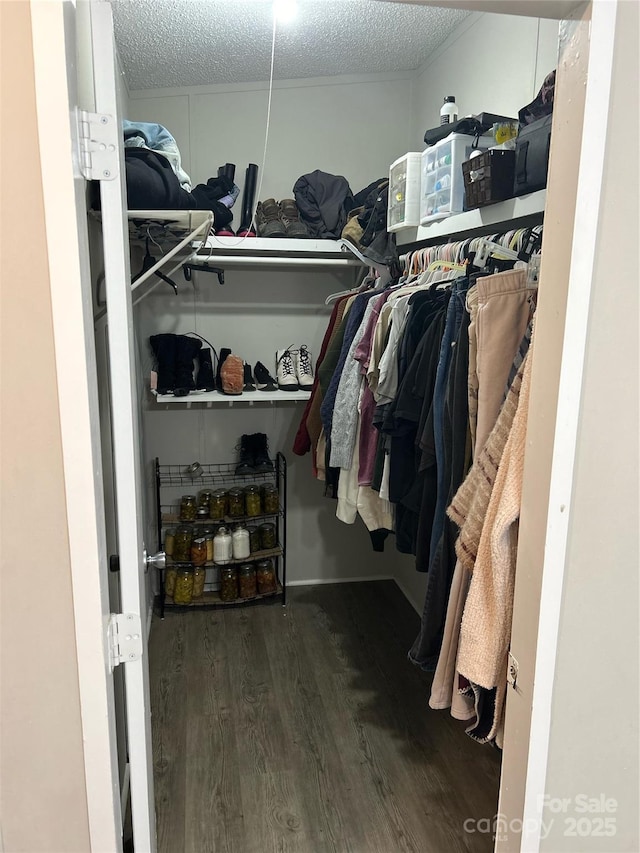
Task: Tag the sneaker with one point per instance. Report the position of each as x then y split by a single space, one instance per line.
304 367
264 380
286 371
290 215
268 219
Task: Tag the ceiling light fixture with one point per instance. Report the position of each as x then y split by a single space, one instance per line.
285 11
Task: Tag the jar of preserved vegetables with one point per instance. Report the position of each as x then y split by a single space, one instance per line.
229 583
199 551
207 532
218 504
204 497
222 547
270 499
266 577
240 543
236 503
247 585
169 541
268 538
188 508
182 543
252 500
254 538
199 576
183 592
170 580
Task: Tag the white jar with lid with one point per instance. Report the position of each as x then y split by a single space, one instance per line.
222 546
241 543
449 110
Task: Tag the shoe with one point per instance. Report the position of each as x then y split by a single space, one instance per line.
245 456
268 219
260 447
247 227
304 367
225 231
164 353
290 216
286 371
264 380
232 375
249 384
205 380
186 351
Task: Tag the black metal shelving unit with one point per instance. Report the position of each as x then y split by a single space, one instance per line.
174 477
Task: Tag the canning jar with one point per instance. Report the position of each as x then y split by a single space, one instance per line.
252 500
169 541
222 547
229 583
218 504
170 580
188 508
204 497
236 503
241 544
266 577
199 575
270 499
183 592
182 543
202 513
247 587
199 551
254 538
207 532
268 539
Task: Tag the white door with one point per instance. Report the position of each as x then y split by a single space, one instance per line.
125 434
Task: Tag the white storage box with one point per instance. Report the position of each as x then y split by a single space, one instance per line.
404 192
442 181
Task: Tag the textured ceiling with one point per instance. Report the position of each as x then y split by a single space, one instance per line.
173 43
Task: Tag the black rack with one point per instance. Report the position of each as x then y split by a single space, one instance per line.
221 474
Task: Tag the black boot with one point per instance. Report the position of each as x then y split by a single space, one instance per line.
224 352
249 384
164 351
186 350
245 456
261 462
247 227
227 171
264 379
205 380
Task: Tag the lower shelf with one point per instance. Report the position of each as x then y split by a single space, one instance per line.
212 599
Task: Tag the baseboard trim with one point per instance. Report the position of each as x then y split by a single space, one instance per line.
416 607
317 581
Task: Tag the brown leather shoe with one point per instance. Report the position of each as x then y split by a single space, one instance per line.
268 219
290 215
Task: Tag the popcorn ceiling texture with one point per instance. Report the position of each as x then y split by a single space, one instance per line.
177 43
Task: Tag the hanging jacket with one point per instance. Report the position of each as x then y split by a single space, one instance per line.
324 201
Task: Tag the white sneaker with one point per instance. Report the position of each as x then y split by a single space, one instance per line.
304 367
286 371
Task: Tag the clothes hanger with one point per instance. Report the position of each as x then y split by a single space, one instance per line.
148 262
188 268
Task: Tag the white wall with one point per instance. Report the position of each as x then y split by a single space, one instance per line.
351 126
491 63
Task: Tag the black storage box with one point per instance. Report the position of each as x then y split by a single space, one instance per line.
496 183
532 156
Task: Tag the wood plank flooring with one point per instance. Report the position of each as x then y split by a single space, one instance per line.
305 730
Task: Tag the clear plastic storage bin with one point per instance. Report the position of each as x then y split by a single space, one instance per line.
442 181
404 192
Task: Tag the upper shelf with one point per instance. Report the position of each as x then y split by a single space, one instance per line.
276 251
501 216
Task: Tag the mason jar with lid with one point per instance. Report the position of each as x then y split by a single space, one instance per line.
182 543
222 546
236 503
202 513
183 592
169 541
199 576
207 532
266 577
268 538
241 543
228 583
170 580
204 497
218 504
188 508
270 499
199 551
252 501
254 538
247 585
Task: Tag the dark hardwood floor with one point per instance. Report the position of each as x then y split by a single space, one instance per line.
305 730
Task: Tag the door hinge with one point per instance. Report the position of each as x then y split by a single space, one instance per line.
98 139
125 638
513 671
